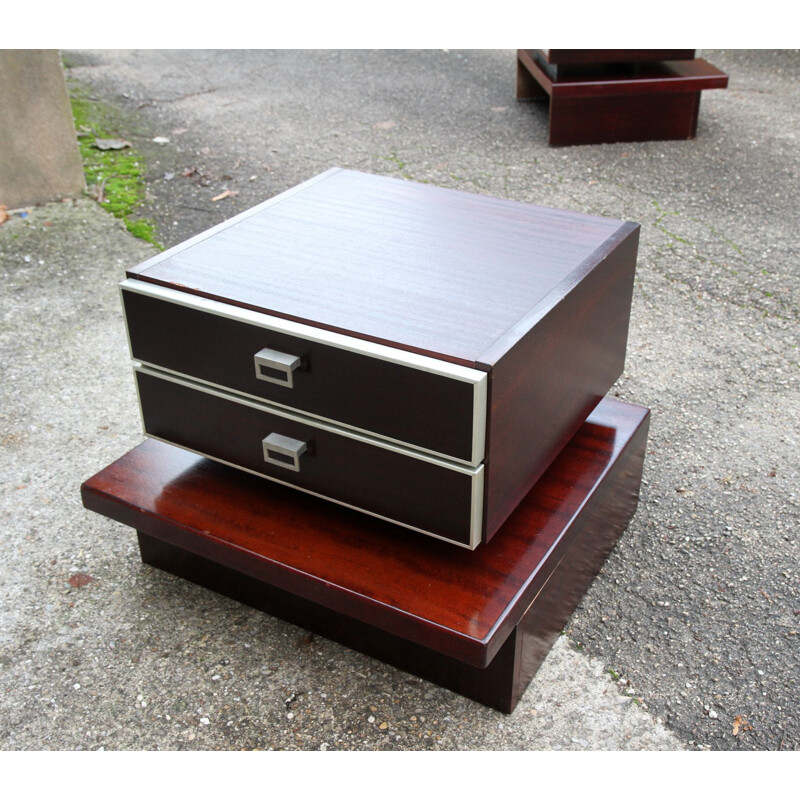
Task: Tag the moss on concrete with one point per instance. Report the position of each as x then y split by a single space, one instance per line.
115 178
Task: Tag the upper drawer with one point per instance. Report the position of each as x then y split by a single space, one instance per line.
400 396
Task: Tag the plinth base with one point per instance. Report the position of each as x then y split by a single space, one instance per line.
477 622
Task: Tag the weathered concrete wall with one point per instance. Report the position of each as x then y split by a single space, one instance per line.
39 158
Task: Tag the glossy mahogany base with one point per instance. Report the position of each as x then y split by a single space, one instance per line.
617 102
479 623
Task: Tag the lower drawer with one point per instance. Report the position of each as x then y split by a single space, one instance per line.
426 494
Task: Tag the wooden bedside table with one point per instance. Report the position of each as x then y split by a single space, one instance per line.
420 354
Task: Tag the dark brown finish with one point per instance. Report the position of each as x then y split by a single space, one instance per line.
660 77
528 88
612 56
560 65
625 118
392 484
618 102
587 339
445 613
537 298
420 408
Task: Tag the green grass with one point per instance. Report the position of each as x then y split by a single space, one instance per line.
114 176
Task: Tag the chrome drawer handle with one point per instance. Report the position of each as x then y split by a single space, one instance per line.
283 451
276 367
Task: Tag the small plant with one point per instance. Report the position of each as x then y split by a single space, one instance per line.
114 177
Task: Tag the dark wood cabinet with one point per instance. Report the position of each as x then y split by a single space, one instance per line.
420 354
605 96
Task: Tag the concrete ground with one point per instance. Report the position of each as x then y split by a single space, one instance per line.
689 638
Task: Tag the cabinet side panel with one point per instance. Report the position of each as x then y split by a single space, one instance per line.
623 118
544 387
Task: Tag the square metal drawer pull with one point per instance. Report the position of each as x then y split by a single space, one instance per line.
276 367
283 451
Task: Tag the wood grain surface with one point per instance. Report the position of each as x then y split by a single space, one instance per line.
594 103
624 118
612 56
558 370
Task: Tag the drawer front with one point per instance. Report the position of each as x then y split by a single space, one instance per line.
419 492
403 397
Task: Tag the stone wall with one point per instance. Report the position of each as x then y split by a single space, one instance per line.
39 157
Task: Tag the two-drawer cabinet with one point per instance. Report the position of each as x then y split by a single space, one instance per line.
417 353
